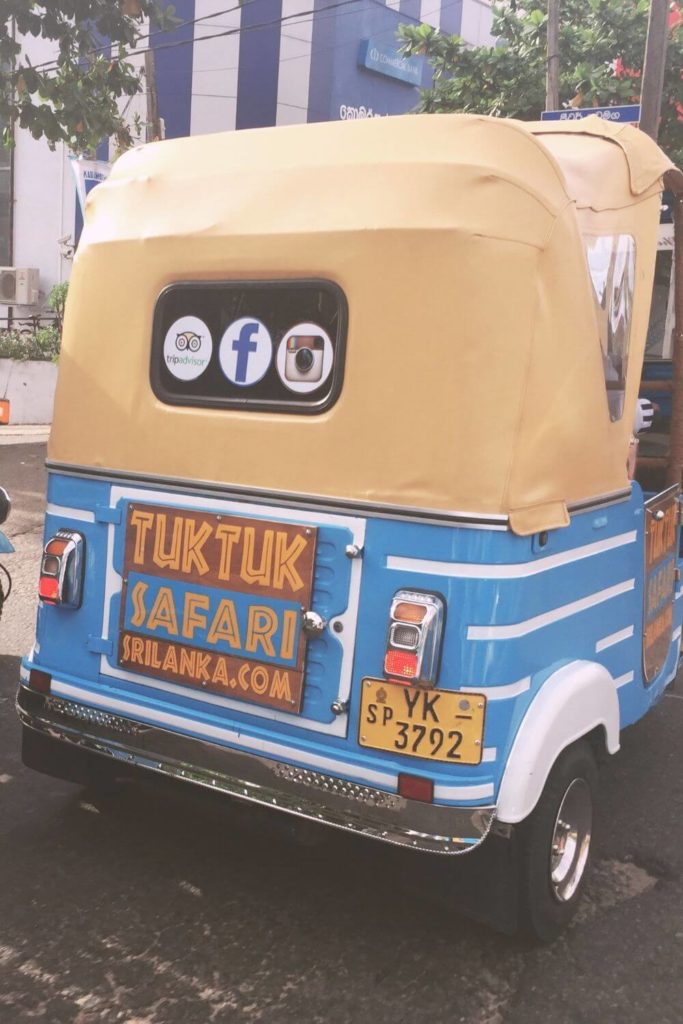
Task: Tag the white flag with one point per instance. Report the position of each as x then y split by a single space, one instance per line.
88 173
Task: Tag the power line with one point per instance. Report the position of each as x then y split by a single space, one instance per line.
52 64
321 49
275 21
227 32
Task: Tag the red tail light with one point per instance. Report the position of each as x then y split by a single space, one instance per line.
416 787
61 571
39 681
400 663
48 589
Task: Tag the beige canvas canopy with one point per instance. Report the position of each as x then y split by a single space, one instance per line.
473 378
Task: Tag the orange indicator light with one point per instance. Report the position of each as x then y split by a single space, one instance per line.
407 612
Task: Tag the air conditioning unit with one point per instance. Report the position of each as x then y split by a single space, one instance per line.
19 286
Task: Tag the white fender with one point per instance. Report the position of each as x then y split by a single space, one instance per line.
572 701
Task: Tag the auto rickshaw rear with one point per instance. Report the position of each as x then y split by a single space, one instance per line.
338 514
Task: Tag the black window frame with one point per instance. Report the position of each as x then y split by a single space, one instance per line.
296 406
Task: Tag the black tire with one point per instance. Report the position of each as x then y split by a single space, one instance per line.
548 898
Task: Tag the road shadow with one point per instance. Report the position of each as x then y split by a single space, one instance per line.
200 908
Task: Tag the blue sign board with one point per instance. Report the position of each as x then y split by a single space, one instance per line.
341 87
629 114
385 58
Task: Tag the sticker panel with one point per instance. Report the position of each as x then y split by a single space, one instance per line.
263 345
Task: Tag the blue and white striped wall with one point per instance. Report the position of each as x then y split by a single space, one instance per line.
274 62
290 61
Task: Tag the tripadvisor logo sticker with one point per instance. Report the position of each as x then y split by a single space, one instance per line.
187 348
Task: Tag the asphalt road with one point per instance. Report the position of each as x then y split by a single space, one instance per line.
151 907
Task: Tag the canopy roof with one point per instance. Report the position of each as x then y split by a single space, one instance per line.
594 174
473 379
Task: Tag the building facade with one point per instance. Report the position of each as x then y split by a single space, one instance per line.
229 67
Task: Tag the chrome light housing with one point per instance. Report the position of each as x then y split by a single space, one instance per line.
415 636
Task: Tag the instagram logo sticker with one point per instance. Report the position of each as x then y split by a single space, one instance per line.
304 358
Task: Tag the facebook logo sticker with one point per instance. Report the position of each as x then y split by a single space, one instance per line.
245 352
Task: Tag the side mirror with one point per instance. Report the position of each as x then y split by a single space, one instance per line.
5 505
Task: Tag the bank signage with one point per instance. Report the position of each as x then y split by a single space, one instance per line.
88 174
385 58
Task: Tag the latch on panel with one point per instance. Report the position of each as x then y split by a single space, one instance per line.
105 514
100 645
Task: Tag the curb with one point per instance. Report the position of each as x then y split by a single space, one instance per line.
25 434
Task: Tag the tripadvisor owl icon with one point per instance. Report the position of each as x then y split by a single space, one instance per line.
188 340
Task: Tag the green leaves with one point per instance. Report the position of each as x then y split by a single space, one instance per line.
602 45
75 97
42 343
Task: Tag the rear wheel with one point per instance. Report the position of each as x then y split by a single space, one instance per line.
555 844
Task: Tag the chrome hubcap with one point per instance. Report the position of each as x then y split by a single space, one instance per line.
571 840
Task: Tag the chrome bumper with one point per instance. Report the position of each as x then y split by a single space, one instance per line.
307 794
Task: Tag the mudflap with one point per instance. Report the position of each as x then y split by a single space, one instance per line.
62 760
482 885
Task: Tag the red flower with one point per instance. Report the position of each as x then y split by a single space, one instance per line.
621 71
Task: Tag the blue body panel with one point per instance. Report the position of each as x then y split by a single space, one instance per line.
6 546
517 610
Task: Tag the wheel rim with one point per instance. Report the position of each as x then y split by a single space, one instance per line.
571 840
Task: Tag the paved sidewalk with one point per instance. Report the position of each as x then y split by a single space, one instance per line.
24 433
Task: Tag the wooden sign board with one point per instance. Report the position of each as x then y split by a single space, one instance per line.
215 602
661 556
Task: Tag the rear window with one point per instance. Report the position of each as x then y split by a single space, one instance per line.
612 268
273 346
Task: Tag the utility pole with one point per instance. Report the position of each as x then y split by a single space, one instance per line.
653 71
153 122
552 90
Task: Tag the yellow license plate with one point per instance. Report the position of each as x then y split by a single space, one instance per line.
436 724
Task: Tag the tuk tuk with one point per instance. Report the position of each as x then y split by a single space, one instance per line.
339 520
6 548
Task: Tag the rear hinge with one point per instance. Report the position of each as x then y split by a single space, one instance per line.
105 514
100 645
